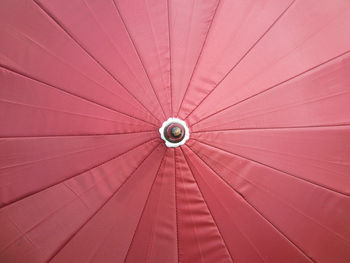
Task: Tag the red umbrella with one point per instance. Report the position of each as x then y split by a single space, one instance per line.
175 131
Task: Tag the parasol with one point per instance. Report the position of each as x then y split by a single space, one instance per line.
175 131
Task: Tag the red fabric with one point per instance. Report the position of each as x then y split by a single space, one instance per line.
263 86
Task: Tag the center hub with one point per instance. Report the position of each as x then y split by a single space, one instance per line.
174 132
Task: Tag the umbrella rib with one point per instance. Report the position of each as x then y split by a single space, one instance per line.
22 74
90 55
53 212
276 169
45 108
250 243
273 195
176 211
253 207
70 177
280 200
205 201
103 205
274 86
198 58
70 135
276 128
57 156
144 207
241 59
66 63
170 61
139 56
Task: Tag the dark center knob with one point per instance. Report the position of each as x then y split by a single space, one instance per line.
176 132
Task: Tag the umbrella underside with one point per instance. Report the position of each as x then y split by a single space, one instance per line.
257 167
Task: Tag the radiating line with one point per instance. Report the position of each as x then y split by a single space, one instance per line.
281 108
87 52
276 169
274 86
144 207
58 156
114 46
23 234
139 56
71 93
176 211
264 189
59 111
253 207
242 58
253 246
56 210
295 155
198 58
170 61
64 62
69 177
71 135
103 205
205 201
185 39
276 128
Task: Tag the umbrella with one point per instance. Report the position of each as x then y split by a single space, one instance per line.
175 131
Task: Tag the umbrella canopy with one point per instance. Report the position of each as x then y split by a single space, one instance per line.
175 131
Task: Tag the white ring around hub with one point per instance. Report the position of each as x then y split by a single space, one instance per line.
174 120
